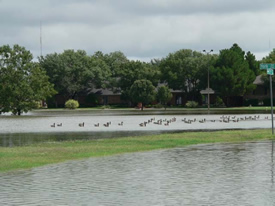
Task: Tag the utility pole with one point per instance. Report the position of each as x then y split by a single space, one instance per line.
208 84
40 39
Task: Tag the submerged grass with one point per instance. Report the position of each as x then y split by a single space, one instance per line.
26 157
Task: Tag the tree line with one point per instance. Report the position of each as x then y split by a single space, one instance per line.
23 83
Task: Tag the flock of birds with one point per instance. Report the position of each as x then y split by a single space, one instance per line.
82 124
167 122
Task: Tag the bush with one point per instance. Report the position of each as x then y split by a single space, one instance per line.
105 107
219 102
158 106
191 104
72 104
252 102
267 102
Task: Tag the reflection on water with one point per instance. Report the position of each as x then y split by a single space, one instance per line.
218 174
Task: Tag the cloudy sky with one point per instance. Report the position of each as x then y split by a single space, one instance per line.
141 29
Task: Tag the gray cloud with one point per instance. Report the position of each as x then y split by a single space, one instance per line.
140 28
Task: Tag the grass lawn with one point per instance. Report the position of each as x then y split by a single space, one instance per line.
35 155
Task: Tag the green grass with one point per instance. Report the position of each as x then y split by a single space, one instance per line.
110 107
26 157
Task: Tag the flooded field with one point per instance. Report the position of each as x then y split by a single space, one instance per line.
213 174
52 126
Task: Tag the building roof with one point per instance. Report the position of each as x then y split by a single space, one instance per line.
258 80
207 91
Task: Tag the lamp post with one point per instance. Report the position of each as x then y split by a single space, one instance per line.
208 88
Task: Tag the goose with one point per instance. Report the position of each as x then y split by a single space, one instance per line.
188 121
120 124
107 124
81 124
53 125
59 125
142 125
96 125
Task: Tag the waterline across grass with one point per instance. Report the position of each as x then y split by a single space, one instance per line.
36 155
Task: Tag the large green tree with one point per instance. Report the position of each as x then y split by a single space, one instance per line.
270 58
164 95
142 91
73 72
22 82
253 64
135 70
183 70
232 75
116 62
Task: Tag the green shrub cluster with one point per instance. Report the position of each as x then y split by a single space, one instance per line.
191 104
71 104
219 102
158 106
267 102
252 102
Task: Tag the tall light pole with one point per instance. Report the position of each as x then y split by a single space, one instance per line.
208 87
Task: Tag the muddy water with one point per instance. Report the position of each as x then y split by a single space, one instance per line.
214 174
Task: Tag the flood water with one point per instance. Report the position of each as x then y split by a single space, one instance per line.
213 174
38 126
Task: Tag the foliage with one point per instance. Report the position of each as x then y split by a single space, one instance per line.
251 102
185 70
232 75
270 58
264 77
191 104
267 101
115 61
219 102
253 64
22 82
71 104
106 107
73 72
164 95
142 91
158 106
135 70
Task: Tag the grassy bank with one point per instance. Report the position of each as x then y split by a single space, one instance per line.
180 108
53 152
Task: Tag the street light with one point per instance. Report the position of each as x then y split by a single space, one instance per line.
208 88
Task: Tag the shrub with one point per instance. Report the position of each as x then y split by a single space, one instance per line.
267 102
158 106
252 102
219 102
191 104
72 104
105 107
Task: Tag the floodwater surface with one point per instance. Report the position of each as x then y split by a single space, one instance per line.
213 174
60 126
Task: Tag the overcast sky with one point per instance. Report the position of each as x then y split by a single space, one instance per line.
141 29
